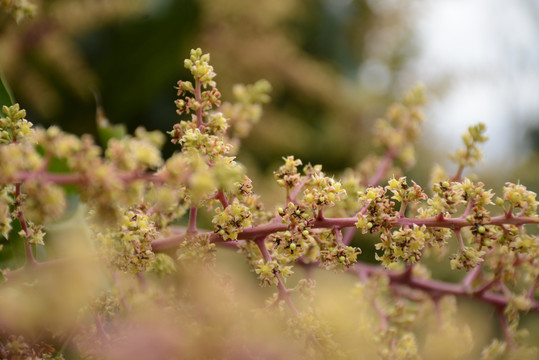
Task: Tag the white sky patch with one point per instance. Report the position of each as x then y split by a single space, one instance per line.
489 49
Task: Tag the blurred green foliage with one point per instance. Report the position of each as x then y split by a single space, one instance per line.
6 98
131 53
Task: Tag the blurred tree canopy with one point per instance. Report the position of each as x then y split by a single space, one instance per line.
333 64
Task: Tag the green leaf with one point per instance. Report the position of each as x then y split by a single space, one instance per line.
109 131
6 97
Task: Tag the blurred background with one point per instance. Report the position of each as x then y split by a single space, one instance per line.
335 66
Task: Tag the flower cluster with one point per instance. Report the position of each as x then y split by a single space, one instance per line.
446 200
288 175
406 244
378 210
471 153
401 127
322 191
14 125
200 68
404 193
5 214
232 220
197 250
130 154
19 9
337 257
267 271
467 258
128 248
19 347
137 199
247 109
519 198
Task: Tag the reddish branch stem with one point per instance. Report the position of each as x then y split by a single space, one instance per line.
222 198
436 288
458 174
383 167
472 275
30 259
192 220
284 294
198 97
339 223
292 197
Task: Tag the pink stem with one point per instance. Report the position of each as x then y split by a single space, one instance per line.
458 174
283 291
383 167
222 198
198 97
436 288
459 239
192 228
31 260
470 278
328 223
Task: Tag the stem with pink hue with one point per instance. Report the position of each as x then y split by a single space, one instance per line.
505 329
459 239
251 233
198 98
292 197
284 294
472 276
383 167
435 288
222 198
458 175
192 228
30 259
100 329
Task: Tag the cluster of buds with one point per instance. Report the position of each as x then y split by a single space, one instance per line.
322 191
197 249
128 247
299 217
6 201
19 9
406 244
338 257
18 138
401 127
131 154
519 198
290 244
43 201
200 68
122 188
268 271
447 198
378 210
466 258
19 347
471 154
194 99
14 125
28 160
230 221
247 109
288 176
404 193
